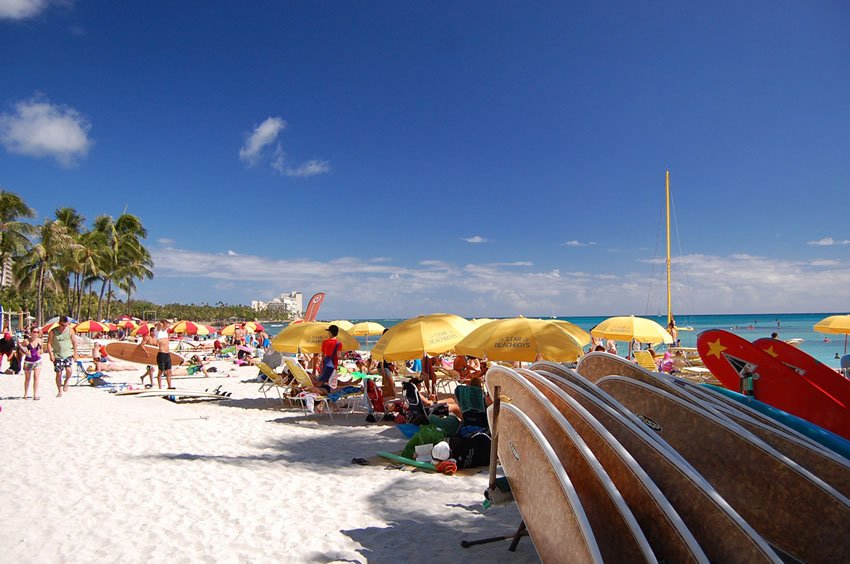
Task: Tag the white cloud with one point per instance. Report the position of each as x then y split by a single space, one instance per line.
232 254
264 134
828 242
574 243
310 168
38 128
165 241
21 9
475 239
359 287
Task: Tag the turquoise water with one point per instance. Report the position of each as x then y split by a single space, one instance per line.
749 326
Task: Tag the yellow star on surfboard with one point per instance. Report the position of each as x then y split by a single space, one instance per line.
715 348
769 350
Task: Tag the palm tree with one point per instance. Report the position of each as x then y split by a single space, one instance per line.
14 233
136 269
40 268
124 246
73 222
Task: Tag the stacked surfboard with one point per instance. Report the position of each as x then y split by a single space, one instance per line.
610 462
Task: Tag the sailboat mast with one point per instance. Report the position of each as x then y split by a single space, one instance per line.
669 301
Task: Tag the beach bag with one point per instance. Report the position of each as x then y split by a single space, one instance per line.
376 397
471 452
15 364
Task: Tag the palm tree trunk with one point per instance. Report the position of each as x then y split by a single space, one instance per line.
40 294
108 299
100 300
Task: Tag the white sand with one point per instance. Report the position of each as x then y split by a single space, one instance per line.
95 477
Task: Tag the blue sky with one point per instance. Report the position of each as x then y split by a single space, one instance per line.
482 158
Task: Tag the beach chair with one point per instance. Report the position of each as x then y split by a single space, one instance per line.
274 381
445 378
644 359
404 371
470 399
81 375
304 381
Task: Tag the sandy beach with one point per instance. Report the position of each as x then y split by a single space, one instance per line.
95 477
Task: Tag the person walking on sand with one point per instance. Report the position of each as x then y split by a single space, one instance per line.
31 349
62 349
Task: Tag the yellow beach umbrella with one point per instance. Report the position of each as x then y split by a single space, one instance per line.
433 334
835 325
250 327
520 338
342 324
580 335
366 329
308 336
626 328
481 321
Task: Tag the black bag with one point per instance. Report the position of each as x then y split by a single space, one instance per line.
15 364
471 452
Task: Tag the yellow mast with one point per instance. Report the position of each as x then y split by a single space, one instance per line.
669 301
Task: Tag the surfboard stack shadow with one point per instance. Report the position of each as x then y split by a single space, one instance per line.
610 462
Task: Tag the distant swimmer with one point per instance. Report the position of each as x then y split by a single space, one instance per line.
774 335
826 340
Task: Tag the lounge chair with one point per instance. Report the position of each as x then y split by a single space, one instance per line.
644 359
274 381
445 378
304 381
470 399
404 371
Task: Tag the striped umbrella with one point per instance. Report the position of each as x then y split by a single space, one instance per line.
142 330
191 328
91 326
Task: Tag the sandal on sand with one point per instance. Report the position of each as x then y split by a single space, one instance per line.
36 398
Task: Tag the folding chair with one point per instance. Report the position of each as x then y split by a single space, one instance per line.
304 381
81 375
274 381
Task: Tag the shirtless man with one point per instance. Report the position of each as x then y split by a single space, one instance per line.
159 338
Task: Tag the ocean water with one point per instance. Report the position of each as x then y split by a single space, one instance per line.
749 326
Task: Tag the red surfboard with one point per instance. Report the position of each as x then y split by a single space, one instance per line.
819 374
731 359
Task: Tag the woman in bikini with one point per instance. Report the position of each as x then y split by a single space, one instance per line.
31 349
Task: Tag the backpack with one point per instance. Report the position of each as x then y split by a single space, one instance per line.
471 452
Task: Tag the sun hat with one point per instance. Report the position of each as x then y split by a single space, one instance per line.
441 451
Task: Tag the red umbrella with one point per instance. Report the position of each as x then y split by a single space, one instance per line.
127 324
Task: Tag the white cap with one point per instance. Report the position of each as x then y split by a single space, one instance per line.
441 451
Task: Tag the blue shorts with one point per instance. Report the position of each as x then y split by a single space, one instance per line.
327 372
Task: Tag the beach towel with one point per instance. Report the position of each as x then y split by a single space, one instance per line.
427 434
